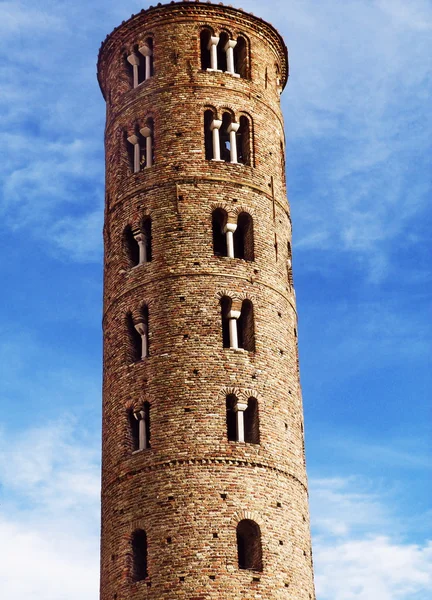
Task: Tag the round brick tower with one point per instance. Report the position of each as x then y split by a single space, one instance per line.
204 489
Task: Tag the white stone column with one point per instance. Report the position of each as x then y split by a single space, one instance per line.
239 409
142 330
212 46
232 130
134 140
214 128
133 59
229 50
229 231
146 51
147 134
142 430
141 240
233 315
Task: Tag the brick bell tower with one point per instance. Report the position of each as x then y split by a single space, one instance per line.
204 489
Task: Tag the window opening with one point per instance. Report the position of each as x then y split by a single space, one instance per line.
231 418
249 545
251 422
139 553
240 57
205 36
243 237
245 327
219 219
244 141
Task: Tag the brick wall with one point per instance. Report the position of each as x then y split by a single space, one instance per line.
192 487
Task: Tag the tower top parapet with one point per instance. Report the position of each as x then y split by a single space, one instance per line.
155 15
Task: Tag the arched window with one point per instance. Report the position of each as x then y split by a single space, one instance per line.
245 327
224 137
205 36
131 247
147 154
139 555
241 58
289 265
225 303
135 344
249 545
221 52
231 418
243 237
209 117
219 219
146 51
251 422
139 420
244 141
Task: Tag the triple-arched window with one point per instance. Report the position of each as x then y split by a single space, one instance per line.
227 139
223 53
232 236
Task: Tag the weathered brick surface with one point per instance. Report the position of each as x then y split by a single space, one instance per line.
193 485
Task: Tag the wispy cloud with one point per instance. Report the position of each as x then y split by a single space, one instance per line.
355 555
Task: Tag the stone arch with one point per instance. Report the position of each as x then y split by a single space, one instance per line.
248 515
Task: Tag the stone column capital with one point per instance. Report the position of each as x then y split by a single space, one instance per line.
133 139
233 127
145 50
230 227
230 44
233 314
139 235
240 406
215 124
146 131
139 414
133 59
214 41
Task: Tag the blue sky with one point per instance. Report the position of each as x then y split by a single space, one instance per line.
358 126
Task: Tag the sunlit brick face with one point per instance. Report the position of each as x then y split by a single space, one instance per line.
200 481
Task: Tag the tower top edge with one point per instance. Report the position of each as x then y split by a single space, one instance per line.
193 8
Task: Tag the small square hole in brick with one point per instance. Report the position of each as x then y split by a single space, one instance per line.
178 134
182 298
254 376
287 585
196 263
148 583
286 426
180 229
188 409
256 579
181 579
181 198
213 577
279 504
279 314
281 352
169 540
215 535
280 543
186 336
223 496
195 372
170 498
304 553
256 271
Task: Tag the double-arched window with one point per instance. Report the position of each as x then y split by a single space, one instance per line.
242 419
232 236
237 324
138 243
138 333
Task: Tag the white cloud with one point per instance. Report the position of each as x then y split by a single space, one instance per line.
49 514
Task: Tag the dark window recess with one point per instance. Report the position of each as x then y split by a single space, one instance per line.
244 141
245 327
243 237
231 418
251 422
219 219
208 136
139 553
221 54
224 138
225 308
205 52
135 343
249 545
240 57
131 247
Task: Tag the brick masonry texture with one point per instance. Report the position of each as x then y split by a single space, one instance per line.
193 486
